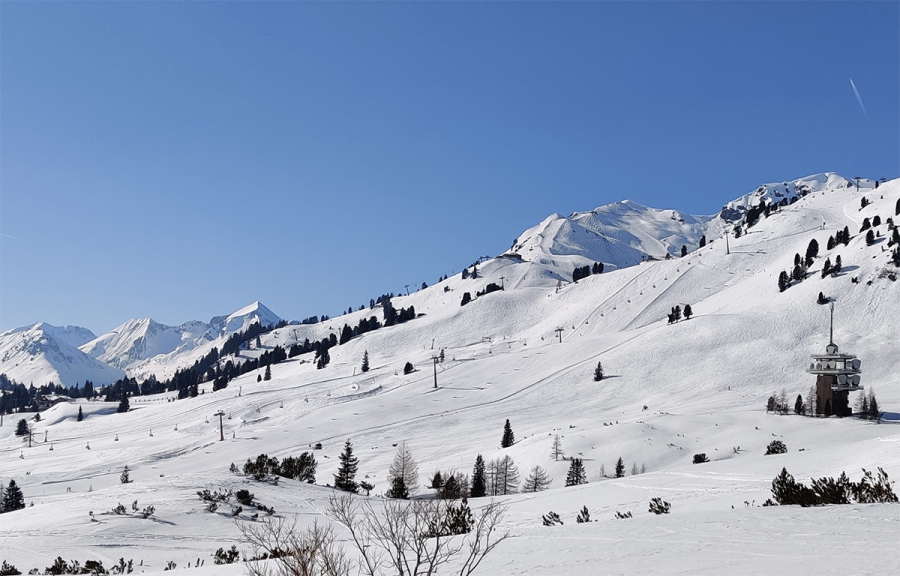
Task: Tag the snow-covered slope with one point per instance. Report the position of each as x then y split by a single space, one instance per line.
670 391
43 353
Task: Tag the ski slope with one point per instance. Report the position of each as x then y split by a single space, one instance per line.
670 391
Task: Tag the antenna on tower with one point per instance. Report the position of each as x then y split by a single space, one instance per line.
831 329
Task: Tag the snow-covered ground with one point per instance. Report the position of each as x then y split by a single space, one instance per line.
670 391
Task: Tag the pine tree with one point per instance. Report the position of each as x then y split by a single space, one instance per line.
557 450
268 373
324 359
576 474
688 312
862 406
703 241
124 405
479 483
620 468
537 480
846 235
507 476
783 281
405 467
874 410
870 238
365 361
398 489
22 428
683 250
598 372
345 479
837 265
811 401
634 469
124 478
508 438
12 499
798 405
812 251
80 414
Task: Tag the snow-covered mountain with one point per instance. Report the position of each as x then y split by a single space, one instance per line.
44 353
527 354
626 233
143 338
143 347
68 355
619 235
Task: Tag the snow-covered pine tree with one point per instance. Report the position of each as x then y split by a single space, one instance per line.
479 484
576 474
125 478
12 499
620 468
556 451
537 480
874 410
598 372
268 373
508 437
507 476
365 361
405 467
345 479
398 489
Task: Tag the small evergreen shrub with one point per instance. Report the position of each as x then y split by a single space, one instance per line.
700 458
583 516
659 506
551 519
776 447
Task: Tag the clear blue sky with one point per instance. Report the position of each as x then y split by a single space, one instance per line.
180 160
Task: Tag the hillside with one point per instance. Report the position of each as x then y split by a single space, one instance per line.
670 391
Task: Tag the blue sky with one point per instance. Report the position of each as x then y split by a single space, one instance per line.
180 160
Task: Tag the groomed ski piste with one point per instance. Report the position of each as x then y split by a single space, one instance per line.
670 391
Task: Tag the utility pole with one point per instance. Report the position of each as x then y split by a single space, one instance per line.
502 278
435 360
727 247
220 414
559 332
407 289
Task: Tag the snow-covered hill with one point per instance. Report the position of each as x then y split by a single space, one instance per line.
670 391
43 353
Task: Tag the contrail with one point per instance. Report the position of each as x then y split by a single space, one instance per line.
858 99
8 236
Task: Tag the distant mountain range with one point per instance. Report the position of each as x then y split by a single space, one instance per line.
68 355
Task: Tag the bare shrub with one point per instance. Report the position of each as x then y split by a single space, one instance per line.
407 537
280 549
